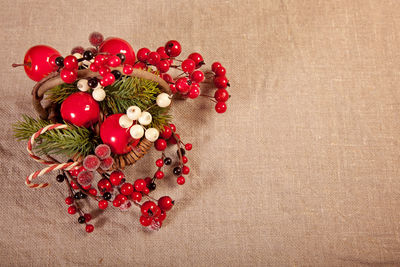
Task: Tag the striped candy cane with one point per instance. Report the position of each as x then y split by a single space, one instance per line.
54 166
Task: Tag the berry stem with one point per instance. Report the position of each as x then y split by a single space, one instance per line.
20 65
179 149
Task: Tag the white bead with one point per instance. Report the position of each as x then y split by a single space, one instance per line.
125 122
78 56
152 134
133 112
82 85
145 118
163 100
98 87
136 131
99 94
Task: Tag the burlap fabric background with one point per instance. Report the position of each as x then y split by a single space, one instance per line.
303 169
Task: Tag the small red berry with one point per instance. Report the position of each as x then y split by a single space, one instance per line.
114 61
86 187
197 58
146 191
104 185
68 76
185 170
109 78
220 107
96 38
140 65
145 221
162 216
168 78
142 54
180 180
71 210
166 133
128 69
122 198
188 146
184 159
116 203
173 127
220 71
194 92
163 66
221 95
153 58
150 209
116 177
197 76
70 63
159 174
89 228
172 87
188 65
173 48
127 189
165 203
69 200
215 65
162 53
93 191
160 144
94 68
74 185
100 60
103 204
173 139
88 217
104 70
136 196
147 180
159 163
221 82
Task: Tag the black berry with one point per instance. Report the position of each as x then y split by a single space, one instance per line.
59 61
87 55
107 196
116 74
81 219
93 82
183 152
122 57
177 171
152 186
77 195
82 195
60 178
167 161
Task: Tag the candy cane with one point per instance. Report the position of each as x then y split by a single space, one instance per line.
54 166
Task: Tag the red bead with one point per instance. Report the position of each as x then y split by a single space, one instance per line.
70 63
162 53
182 85
136 196
71 209
153 58
166 133
163 66
116 203
93 191
103 204
165 203
115 46
143 54
149 209
160 144
69 200
108 79
185 170
114 61
88 217
96 38
122 198
180 180
220 71
197 76
159 174
94 68
68 76
188 65
104 70
100 60
146 191
221 95
104 185
116 177
145 221
37 64
194 92
168 78
89 228
188 147
159 163
173 48
184 159
220 107
197 58
127 189
215 65
139 185
80 109
221 82
128 69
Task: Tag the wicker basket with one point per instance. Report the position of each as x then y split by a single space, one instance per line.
50 112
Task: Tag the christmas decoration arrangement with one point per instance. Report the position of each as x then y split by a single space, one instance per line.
102 109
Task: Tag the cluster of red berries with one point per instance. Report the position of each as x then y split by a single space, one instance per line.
221 82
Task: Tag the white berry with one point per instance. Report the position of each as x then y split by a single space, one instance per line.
152 134
83 85
125 122
163 100
136 131
99 94
145 118
133 112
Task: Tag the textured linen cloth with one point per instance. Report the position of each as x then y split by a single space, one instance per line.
303 168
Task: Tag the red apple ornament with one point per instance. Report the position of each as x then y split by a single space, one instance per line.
37 61
80 109
115 46
118 138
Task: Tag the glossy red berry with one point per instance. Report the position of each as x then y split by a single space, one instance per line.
114 61
140 65
147 180
172 87
180 180
221 95
184 159
96 38
162 53
74 185
188 65
165 203
173 48
160 144
93 191
221 82
104 185
127 189
100 60
173 127
153 58
194 92
142 54
88 217
220 71
215 65
163 66
197 58
166 133
104 70
159 174
89 228
220 107
168 78
172 140
122 198
162 216
197 76
128 69
70 63
68 76
146 191
108 79
136 196
94 68
159 163
116 177
185 170
188 146
139 185
145 221
116 203
69 200
71 210
103 204
182 85
150 209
